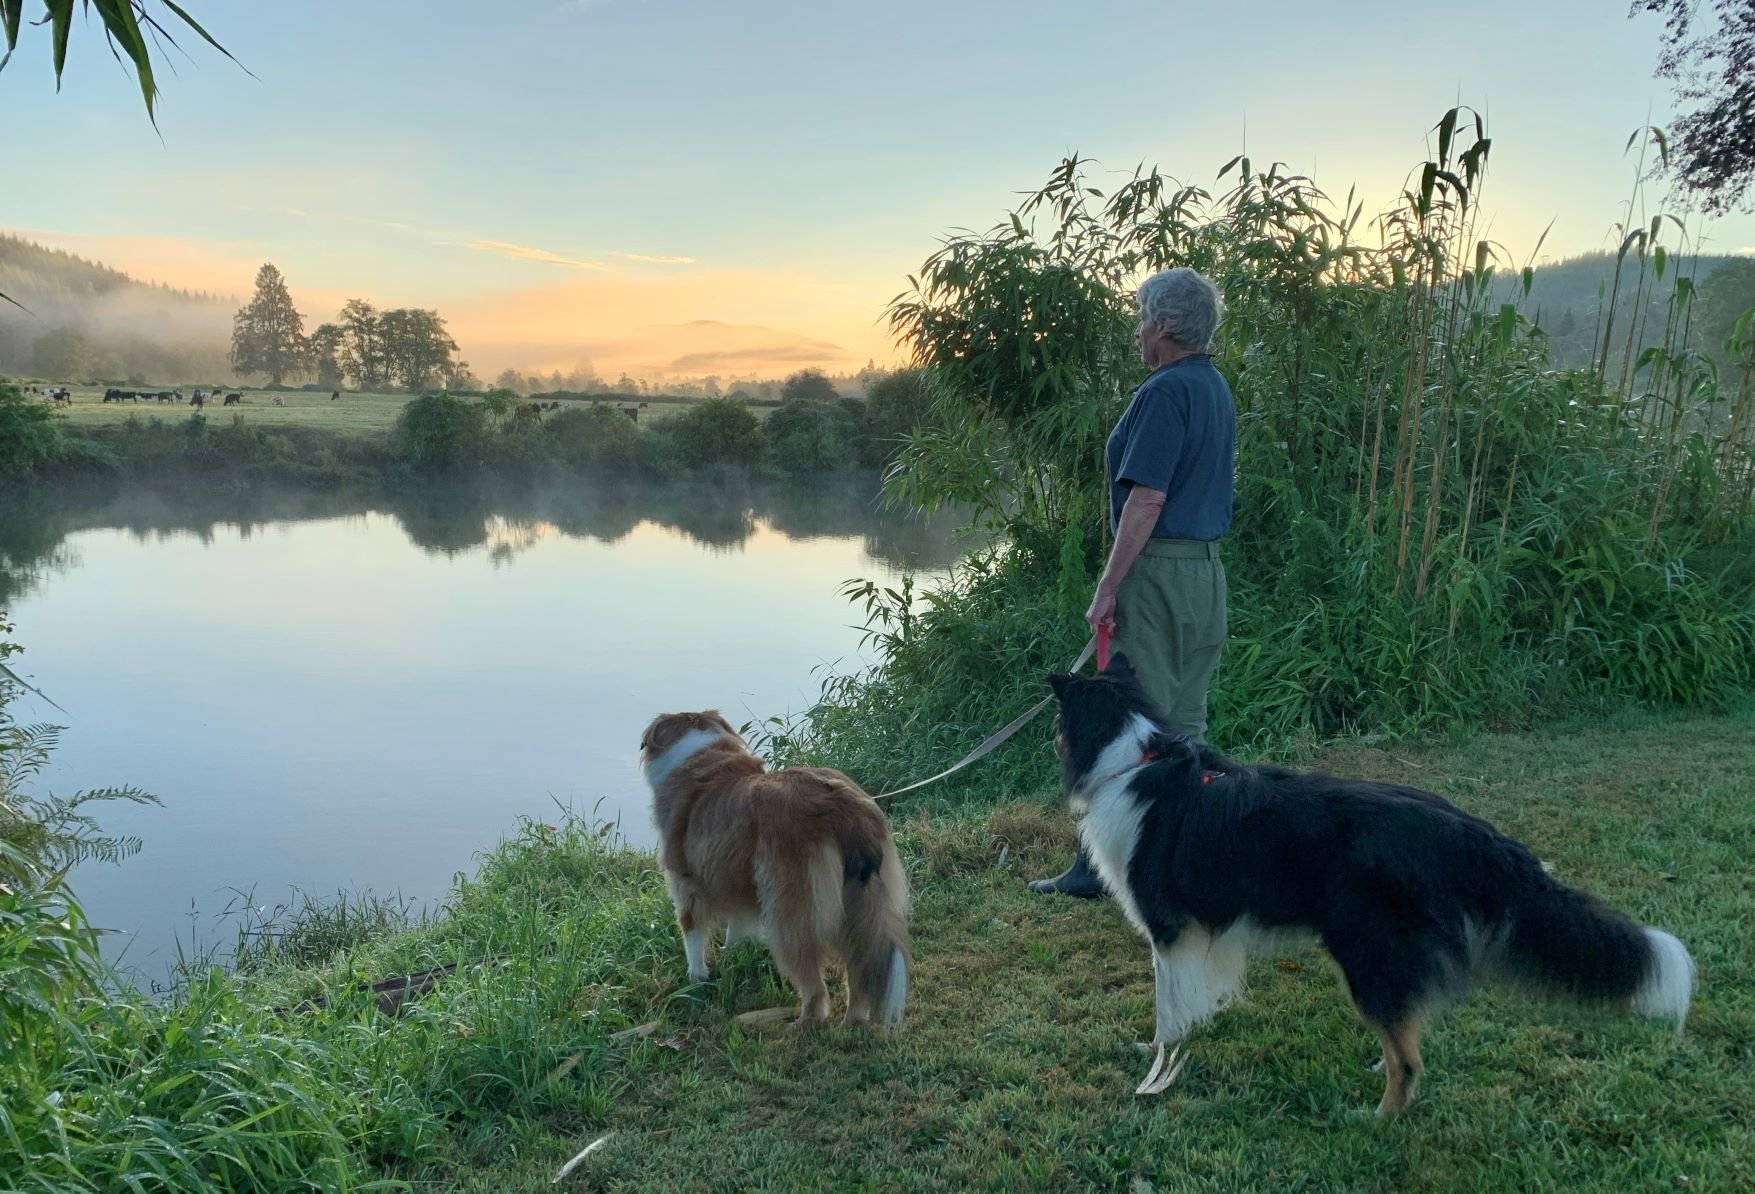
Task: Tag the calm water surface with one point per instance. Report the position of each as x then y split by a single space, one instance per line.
332 695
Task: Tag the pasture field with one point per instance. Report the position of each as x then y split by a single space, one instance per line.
1016 1066
351 414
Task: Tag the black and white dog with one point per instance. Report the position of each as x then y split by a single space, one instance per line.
1414 898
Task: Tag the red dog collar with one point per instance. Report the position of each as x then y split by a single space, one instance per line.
1206 777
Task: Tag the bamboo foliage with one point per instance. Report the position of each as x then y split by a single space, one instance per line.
1410 462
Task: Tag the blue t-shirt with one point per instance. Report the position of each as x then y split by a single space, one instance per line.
1179 436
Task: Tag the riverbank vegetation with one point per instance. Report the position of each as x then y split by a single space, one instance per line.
549 1009
303 437
1437 528
1440 530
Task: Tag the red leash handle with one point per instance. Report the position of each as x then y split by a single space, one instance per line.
1104 630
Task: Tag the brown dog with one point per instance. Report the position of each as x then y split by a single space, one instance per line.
801 858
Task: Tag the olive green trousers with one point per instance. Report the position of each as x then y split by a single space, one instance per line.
1170 623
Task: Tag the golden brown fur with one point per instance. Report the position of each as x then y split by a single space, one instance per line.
801 856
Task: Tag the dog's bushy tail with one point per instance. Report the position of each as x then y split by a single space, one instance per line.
878 956
1566 943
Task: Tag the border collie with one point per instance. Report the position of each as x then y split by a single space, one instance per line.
1414 899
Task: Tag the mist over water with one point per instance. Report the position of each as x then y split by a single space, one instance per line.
335 691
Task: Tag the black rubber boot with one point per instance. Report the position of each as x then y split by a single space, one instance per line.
1079 880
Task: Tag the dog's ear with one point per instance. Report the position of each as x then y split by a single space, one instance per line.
1058 682
1120 667
718 719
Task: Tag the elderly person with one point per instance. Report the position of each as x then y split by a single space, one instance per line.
1170 465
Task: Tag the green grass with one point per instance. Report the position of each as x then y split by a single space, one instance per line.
1016 1065
352 413
1017 1062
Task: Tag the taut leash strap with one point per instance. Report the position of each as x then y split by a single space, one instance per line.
993 743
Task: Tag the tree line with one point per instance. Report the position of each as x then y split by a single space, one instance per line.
363 348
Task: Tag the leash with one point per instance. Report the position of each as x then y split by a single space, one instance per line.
1098 646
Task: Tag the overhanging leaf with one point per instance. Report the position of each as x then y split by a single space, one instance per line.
20 681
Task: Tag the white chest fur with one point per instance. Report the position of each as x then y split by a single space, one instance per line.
1110 829
1109 816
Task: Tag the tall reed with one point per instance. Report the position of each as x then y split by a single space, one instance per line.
1436 526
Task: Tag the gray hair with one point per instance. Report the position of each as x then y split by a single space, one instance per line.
1183 305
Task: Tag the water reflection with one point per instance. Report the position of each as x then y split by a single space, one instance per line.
342 691
458 520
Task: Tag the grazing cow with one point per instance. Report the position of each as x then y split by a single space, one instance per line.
199 400
233 400
531 410
555 405
633 413
61 397
334 394
112 395
279 401
166 396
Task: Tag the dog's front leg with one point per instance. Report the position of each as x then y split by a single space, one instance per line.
1164 999
695 938
1165 1068
1186 990
741 929
695 930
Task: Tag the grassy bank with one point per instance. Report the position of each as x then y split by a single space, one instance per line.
356 414
1016 1065
298 438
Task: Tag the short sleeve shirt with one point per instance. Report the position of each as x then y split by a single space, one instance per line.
1178 435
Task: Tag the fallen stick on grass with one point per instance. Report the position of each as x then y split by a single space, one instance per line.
767 1015
637 1030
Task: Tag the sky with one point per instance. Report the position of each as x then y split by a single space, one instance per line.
693 187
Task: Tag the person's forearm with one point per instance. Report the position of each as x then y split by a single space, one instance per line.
1139 515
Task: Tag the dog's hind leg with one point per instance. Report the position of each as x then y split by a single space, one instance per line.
800 959
1387 982
801 910
858 1004
1402 1066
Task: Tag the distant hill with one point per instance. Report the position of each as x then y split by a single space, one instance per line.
87 321
1570 298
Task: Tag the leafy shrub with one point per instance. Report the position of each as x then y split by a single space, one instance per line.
807 435
1435 527
896 406
596 438
438 433
30 435
716 431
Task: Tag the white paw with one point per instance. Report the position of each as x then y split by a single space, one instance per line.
698 976
1165 1070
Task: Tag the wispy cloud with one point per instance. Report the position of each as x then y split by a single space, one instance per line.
373 222
813 352
526 253
573 6
655 258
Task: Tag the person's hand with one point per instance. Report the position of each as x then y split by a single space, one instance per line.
1102 608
